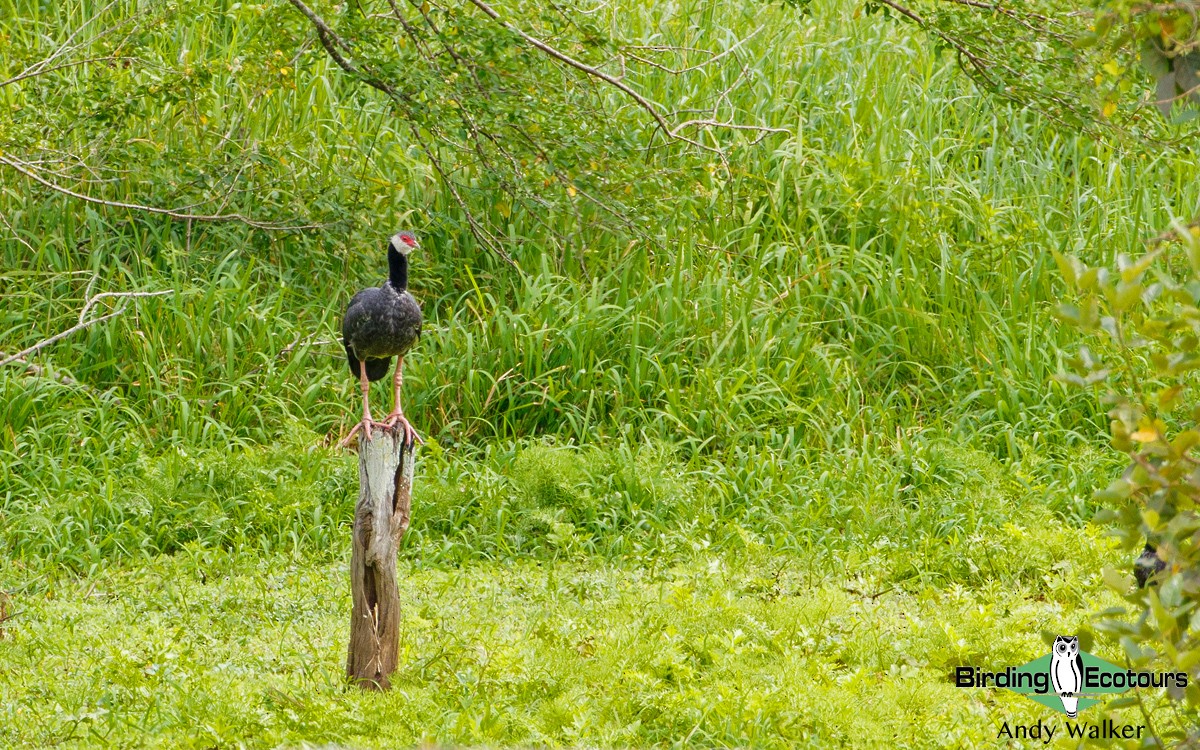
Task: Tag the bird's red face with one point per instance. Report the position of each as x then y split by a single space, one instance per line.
405 242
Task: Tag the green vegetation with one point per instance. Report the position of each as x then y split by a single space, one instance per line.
757 468
726 650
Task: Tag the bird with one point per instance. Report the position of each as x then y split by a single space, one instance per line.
1148 566
381 323
1066 672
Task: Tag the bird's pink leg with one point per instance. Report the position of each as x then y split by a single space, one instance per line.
397 415
365 424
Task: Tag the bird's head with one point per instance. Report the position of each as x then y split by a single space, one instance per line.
405 242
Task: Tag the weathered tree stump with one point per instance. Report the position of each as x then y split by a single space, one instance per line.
385 474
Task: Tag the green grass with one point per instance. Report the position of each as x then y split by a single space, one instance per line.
554 596
790 448
762 650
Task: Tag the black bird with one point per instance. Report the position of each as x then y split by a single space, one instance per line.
1147 566
381 323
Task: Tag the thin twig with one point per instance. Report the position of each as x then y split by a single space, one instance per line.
118 295
123 296
59 336
1175 234
40 371
1021 18
17 236
978 63
44 71
680 71
173 213
319 22
66 46
563 57
297 343
331 42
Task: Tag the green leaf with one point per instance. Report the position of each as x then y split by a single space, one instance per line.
1116 580
1066 266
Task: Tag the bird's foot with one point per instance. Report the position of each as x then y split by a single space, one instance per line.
364 427
410 435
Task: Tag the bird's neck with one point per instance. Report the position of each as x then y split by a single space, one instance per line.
397 269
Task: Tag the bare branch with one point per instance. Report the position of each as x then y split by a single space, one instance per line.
1172 99
595 73
123 296
1179 232
763 130
44 71
118 295
17 236
712 58
330 41
478 145
39 371
66 47
480 233
1023 18
976 62
24 169
319 22
59 336
299 342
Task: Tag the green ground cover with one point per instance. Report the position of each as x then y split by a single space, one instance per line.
205 649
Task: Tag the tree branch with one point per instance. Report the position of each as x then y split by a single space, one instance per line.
58 336
40 371
118 295
24 169
594 72
123 296
978 63
44 71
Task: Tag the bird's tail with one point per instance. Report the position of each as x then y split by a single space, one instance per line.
377 369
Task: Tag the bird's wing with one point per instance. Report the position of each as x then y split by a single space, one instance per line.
354 312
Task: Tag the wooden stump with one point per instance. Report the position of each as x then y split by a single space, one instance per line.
385 474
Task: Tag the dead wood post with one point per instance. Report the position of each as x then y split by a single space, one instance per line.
385 475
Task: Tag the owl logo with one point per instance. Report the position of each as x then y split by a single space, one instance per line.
1066 672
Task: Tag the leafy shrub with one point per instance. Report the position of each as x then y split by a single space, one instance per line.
1146 315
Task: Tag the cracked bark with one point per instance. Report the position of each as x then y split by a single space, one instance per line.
385 474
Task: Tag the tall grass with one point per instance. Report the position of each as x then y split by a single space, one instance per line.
838 302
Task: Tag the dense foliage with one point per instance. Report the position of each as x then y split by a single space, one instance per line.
1147 308
761 405
1147 311
1084 65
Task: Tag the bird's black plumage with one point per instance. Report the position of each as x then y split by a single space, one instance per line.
377 369
1147 566
383 322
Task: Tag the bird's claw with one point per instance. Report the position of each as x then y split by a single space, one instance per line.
410 435
365 427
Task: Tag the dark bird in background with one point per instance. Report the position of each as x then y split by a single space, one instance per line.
1149 565
381 323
